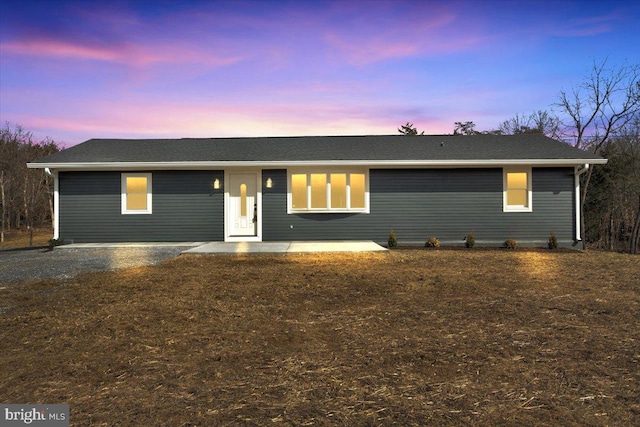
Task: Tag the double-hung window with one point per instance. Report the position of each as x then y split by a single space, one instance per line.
328 191
136 193
517 190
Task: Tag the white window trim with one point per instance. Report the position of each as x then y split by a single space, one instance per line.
123 194
328 172
517 208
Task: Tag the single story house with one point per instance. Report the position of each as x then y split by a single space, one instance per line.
519 187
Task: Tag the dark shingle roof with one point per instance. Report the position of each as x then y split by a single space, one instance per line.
378 148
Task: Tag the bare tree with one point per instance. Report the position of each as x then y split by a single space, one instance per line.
36 188
11 139
408 129
540 122
613 207
25 194
629 143
464 128
4 206
634 241
602 104
599 107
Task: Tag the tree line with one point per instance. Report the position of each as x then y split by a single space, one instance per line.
26 195
613 206
600 114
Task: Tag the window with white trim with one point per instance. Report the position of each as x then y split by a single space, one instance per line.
136 193
517 190
328 191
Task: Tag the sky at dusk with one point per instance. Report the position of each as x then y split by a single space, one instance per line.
74 70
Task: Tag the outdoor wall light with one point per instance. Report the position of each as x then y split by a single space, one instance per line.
269 183
216 184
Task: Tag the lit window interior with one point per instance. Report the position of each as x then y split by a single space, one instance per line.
357 190
328 191
517 189
318 191
338 190
137 193
299 191
243 199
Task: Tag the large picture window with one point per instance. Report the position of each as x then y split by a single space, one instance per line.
517 190
328 191
136 193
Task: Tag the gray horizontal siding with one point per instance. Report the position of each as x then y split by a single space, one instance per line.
419 203
185 208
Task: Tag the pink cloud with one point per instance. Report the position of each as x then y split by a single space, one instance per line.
369 41
124 53
588 26
369 51
363 52
585 32
57 49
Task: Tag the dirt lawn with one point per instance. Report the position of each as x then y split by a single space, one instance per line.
415 337
20 239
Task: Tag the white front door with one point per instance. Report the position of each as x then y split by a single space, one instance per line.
242 207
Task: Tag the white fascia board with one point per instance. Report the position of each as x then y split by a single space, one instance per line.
286 164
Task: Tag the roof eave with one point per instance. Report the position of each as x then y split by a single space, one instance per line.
284 164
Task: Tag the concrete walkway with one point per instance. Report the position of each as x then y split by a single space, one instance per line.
285 247
243 247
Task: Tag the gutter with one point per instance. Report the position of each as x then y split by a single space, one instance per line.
584 168
301 163
579 170
56 201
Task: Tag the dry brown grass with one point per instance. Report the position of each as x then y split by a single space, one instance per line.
20 239
407 338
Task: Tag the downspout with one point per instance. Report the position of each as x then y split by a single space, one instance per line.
56 202
579 171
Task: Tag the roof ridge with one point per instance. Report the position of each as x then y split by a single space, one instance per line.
187 138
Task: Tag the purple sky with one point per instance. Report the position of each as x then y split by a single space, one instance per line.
75 70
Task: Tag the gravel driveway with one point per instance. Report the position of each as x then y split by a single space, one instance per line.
64 263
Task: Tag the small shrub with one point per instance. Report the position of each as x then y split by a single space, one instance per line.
510 244
469 241
393 240
553 241
432 242
55 242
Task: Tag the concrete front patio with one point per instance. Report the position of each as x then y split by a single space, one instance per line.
285 247
244 247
